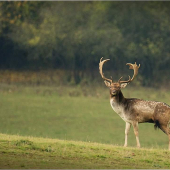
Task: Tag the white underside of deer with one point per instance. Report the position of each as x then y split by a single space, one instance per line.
119 109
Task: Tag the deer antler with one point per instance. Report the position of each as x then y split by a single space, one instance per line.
101 67
135 67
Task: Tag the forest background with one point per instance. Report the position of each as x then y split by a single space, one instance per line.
62 42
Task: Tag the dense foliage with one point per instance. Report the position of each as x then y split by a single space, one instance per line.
75 35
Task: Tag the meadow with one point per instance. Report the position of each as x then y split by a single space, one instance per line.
79 113
44 153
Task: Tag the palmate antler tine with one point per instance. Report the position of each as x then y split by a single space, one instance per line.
101 68
135 68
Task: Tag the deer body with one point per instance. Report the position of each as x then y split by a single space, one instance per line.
134 111
139 110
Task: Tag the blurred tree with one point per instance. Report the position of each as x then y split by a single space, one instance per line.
75 35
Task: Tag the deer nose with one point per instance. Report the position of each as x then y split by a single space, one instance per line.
113 91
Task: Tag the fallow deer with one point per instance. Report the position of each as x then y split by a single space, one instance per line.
134 111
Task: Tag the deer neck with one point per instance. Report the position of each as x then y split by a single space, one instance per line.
118 98
117 103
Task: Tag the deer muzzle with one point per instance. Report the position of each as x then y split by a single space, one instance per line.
113 92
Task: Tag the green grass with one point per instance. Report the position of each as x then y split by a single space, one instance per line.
74 113
43 153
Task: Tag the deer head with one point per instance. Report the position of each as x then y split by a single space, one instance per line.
115 87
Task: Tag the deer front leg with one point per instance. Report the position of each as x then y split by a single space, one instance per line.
135 127
127 128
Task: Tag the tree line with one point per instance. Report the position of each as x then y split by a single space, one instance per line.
73 36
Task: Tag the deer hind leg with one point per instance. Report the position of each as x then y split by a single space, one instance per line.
127 128
166 130
135 128
169 142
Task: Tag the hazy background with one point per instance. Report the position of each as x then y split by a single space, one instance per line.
50 85
73 36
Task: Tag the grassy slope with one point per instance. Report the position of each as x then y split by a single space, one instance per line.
34 153
73 113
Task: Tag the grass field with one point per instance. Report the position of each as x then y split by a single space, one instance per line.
36 153
74 113
74 127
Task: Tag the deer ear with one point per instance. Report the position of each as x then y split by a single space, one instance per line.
123 85
107 83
